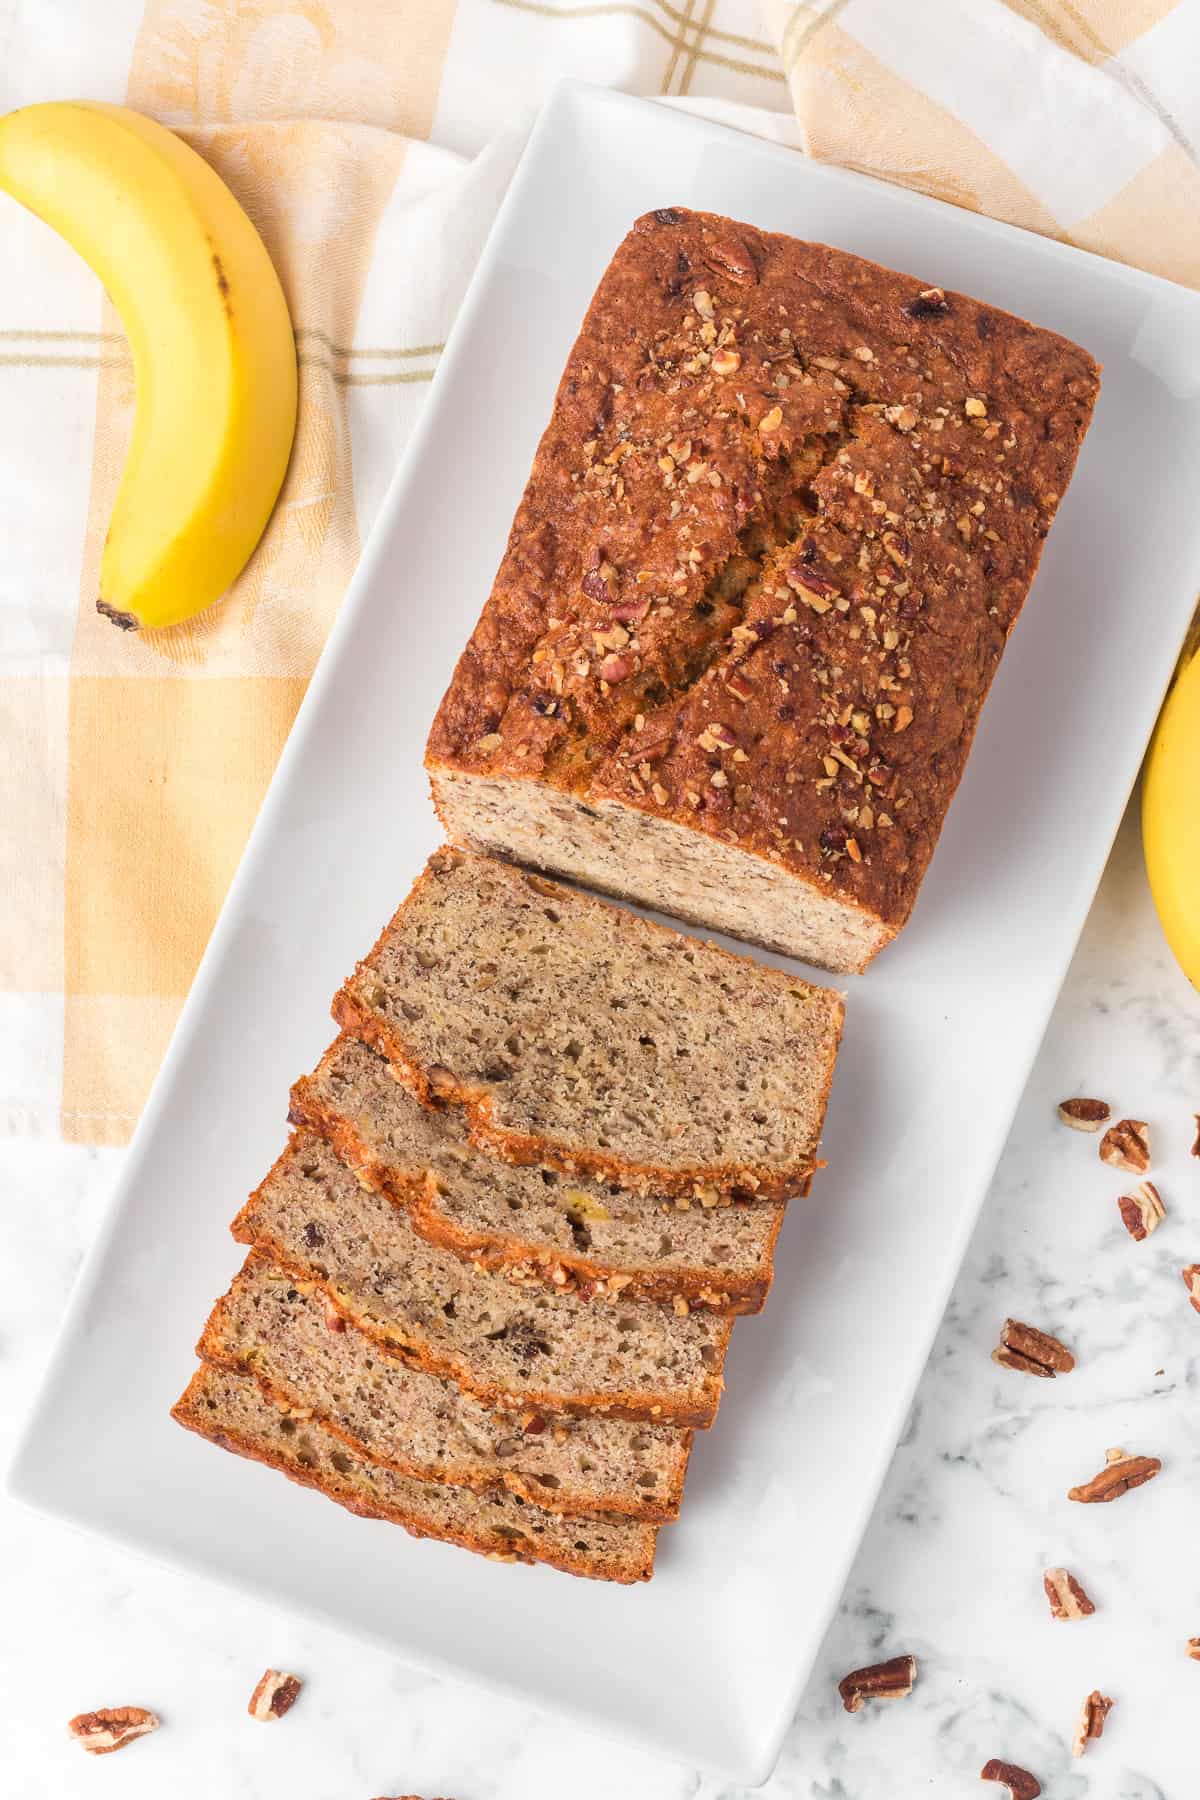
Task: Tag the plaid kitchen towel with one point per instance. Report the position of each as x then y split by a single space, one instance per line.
371 140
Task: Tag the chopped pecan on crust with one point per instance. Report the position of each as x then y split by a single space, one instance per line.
1090 1723
1084 1115
1067 1599
1142 1211
1120 1473
1020 1783
275 1695
1031 1351
111 1727
1191 1281
1126 1145
891 1680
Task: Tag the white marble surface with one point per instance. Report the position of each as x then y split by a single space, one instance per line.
973 1509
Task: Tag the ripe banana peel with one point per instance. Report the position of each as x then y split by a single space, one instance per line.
1171 812
213 353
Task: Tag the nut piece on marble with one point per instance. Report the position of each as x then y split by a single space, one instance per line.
111 1728
1191 1281
275 1695
1067 1598
891 1680
1090 1723
1020 1783
1193 1649
1142 1211
1126 1145
1084 1115
1120 1473
1031 1351
1196 1139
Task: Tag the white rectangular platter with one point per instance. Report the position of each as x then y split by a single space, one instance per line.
706 1663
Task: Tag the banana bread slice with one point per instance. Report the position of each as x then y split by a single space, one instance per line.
593 1236
782 521
234 1412
579 1035
509 1344
283 1331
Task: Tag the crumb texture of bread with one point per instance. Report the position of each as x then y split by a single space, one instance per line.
580 1036
786 512
571 1231
281 1331
508 1343
233 1411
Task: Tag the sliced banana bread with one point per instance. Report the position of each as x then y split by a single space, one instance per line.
579 1035
285 1333
581 1233
510 1344
233 1411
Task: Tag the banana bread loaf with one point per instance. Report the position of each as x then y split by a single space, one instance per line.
785 513
577 1035
509 1344
234 1412
283 1332
593 1236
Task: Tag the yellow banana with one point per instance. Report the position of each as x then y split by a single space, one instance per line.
213 353
1171 814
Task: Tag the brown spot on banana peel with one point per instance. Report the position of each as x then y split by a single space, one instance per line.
222 283
125 621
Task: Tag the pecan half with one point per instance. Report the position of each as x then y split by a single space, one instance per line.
891 1680
1191 1281
275 1694
1090 1723
1126 1145
1067 1599
1020 1783
1142 1211
1120 1473
732 257
1031 1351
1084 1115
111 1728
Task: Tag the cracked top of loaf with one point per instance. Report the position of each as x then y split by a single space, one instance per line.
783 517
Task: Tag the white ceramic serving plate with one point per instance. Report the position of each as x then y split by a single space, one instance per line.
707 1662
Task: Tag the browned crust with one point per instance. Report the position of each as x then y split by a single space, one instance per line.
877 376
187 1412
631 1505
711 1290
761 1180
654 1408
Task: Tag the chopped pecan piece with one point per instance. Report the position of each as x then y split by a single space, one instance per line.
275 1694
1092 1715
1084 1115
1193 1648
1142 1211
111 1728
1020 1783
891 1680
1120 1473
1126 1145
1191 1281
1031 1351
1196 1139
1067 1599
